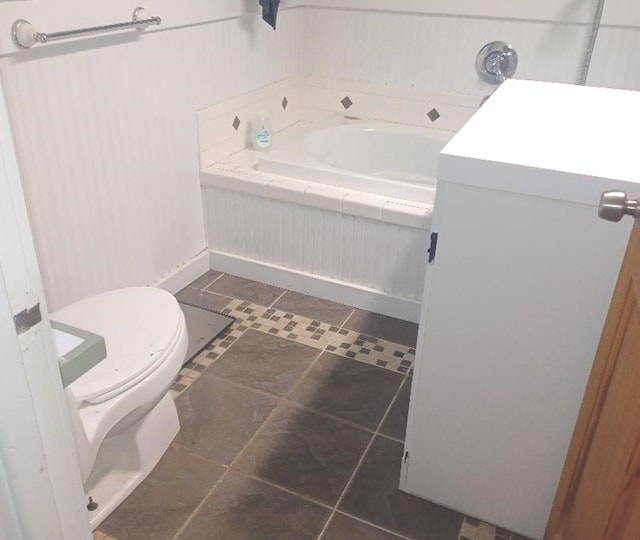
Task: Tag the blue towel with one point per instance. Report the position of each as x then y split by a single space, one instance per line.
270 11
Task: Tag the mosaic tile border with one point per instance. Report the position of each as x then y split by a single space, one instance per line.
474 529
310 332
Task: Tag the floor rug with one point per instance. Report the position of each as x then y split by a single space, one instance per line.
203 326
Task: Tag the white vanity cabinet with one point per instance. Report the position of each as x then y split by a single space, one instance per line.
516 296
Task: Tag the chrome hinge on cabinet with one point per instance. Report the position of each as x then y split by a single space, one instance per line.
432 248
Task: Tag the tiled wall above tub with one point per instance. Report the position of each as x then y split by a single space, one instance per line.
225 128
322 96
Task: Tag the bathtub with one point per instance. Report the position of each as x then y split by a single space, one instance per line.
380 158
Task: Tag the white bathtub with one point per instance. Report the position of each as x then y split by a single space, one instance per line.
385 159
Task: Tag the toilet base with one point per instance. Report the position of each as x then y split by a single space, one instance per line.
126 459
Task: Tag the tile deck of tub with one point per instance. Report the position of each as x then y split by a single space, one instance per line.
292 427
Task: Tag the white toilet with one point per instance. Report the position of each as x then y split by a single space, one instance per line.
122 412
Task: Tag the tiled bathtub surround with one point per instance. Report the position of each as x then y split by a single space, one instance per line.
224 128
282 439
331 235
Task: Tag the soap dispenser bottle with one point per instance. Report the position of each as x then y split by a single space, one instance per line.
261 132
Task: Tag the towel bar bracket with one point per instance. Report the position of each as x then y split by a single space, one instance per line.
25 35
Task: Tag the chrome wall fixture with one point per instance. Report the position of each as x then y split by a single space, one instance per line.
496 62
25 35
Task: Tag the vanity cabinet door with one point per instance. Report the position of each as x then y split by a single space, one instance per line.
513 309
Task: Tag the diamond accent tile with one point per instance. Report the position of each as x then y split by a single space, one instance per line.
236 123
346 102
285 102
433 114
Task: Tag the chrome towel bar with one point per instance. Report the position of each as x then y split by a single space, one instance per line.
24 34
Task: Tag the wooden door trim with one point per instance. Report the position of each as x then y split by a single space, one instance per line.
596 391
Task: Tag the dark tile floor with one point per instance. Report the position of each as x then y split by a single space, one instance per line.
281 439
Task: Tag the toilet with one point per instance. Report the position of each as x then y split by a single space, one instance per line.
122 413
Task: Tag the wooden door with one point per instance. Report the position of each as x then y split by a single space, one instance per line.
598 497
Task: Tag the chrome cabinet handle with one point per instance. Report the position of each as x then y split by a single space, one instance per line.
614 205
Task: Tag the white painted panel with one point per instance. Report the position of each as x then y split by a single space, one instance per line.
546 10
107 144
367 253
616 59
509 337
49 16
435 53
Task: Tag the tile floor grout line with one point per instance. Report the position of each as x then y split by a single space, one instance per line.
281 399
211 282
307 498
274 302
215 293
361 520
373 433
330 416
349 317
361 460
191 516
234 460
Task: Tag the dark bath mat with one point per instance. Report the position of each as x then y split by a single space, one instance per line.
203 326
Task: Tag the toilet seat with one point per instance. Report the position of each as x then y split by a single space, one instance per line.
138 339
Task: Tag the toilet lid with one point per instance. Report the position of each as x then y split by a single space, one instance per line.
139 326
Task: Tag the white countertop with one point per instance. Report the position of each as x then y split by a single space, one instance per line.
587 138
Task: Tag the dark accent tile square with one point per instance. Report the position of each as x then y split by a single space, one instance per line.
242 508
161 504
202 299
348 389
218 417
346 528
395 424
236 123
433 115
346 102
375 497
305 452
285 102
245 289
265 362
205 279
382 326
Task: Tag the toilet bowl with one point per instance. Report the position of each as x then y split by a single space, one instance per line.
122 413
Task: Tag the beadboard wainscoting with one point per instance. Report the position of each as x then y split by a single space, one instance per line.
363 262
105 129
106 139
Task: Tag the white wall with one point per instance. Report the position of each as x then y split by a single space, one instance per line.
105 126
432 45
106 136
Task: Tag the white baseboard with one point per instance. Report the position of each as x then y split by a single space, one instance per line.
190 270
322 287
